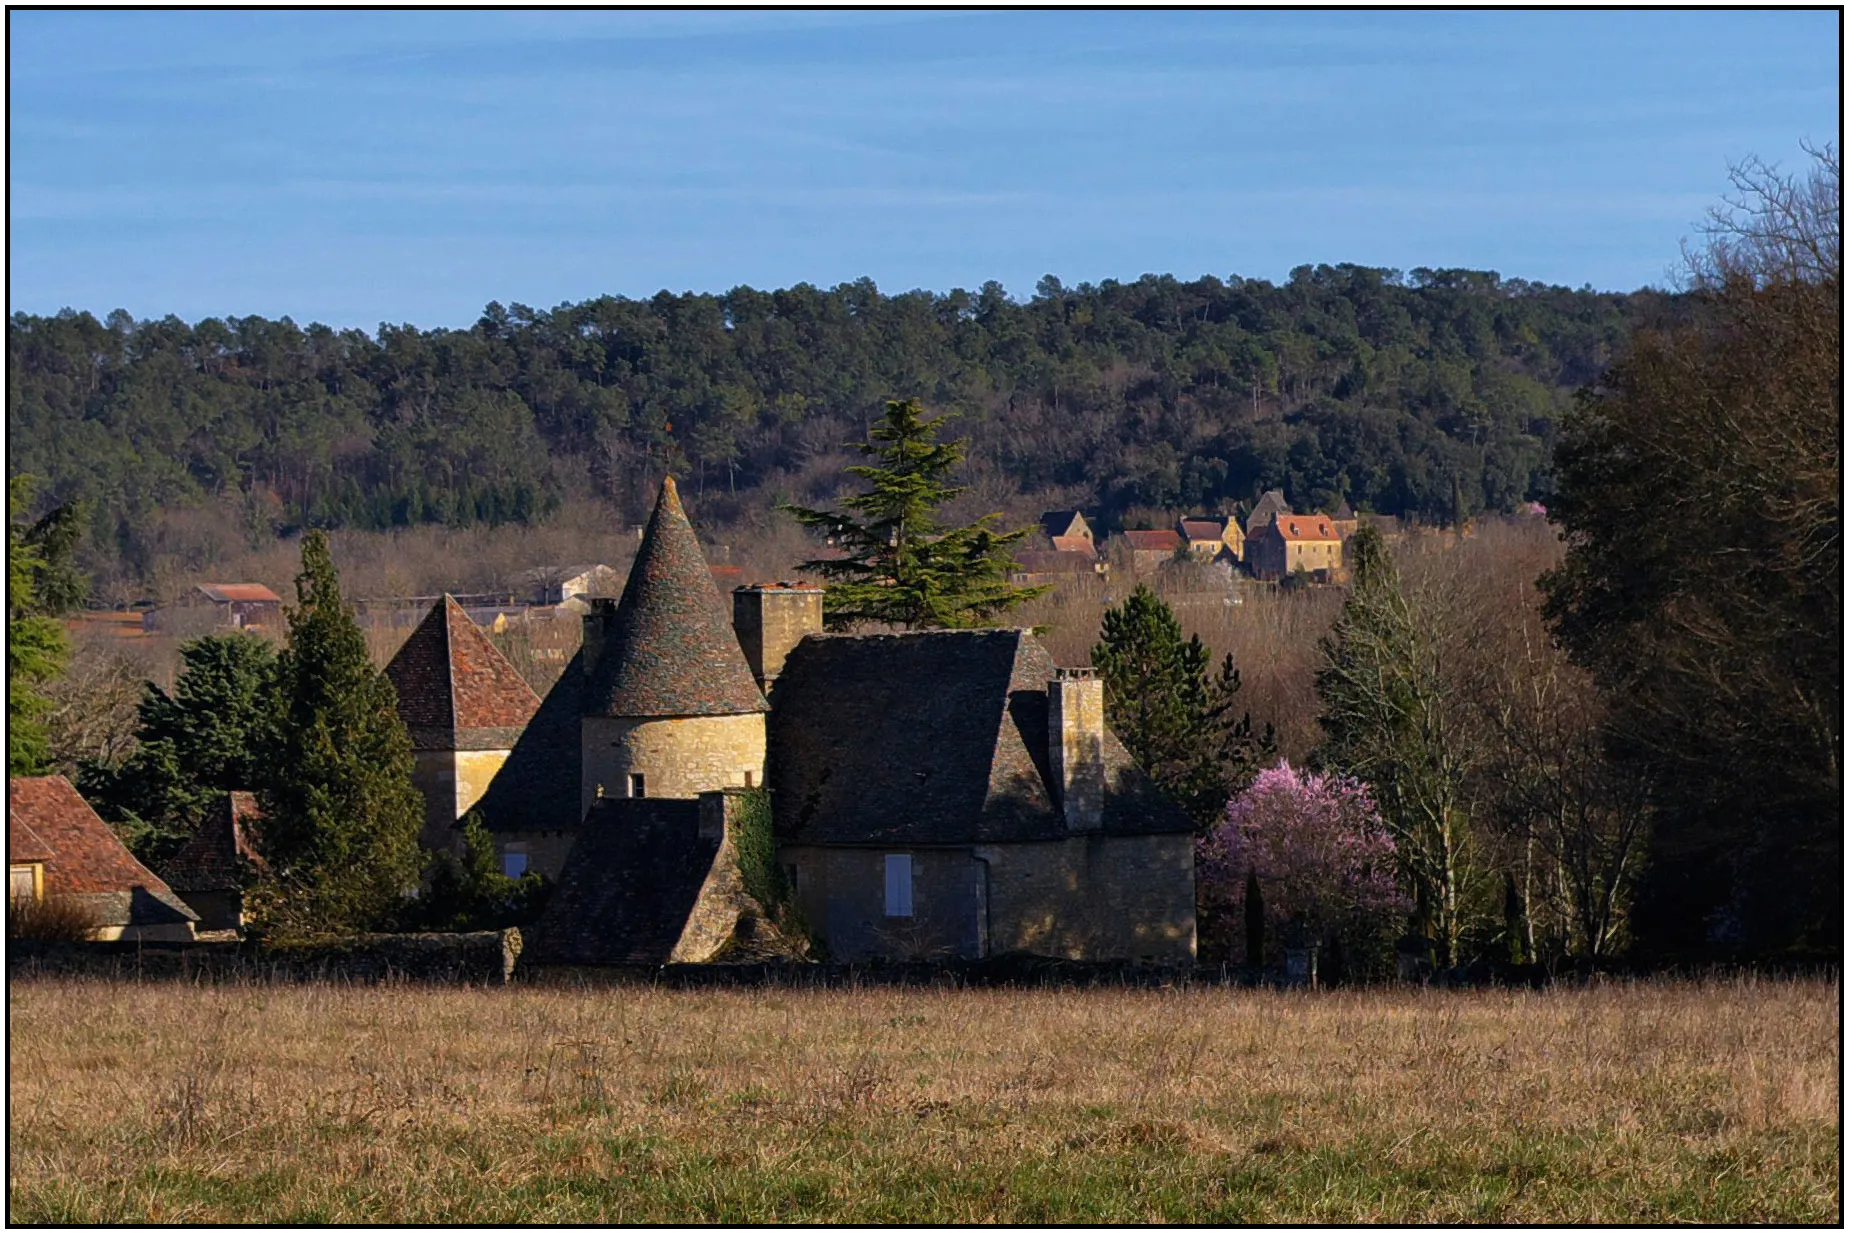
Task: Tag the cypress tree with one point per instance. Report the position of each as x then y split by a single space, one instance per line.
340 814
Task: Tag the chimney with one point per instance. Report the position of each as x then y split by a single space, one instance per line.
596 622
1075 739
770 619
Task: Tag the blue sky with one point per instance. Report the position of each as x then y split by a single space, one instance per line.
359 167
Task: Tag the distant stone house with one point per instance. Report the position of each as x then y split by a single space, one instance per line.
1293 542
212 870
1345 521
1268 507
465 706
559 584
1206 537
248 606
1233 536
1066 531
1150 550
1038 567
83 862
956 779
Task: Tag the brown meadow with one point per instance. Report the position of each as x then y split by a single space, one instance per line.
1649 1102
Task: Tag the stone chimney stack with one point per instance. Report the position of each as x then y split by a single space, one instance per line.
770 619
1075 739
596 624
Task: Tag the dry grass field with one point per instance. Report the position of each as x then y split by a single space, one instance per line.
1713 1102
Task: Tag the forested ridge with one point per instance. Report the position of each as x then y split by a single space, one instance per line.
1405 394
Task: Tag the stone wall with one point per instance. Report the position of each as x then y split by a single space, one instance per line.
452 782
679 756
483 958
842 893
1094 897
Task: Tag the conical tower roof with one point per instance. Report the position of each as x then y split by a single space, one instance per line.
670 649
456 691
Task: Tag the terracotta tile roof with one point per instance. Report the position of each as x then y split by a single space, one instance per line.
669 649
1306 527
213 860
1074 544
225 593
1153 541
88 860
24 844
847 765
1202 528
456 691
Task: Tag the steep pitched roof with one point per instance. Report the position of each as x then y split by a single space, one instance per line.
1344 512
628 887
1164 541
537 787
88 861
1063 523
670 649
213 860
456 691
930 738
1269 506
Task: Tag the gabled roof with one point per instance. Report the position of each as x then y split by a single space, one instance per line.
1074 544
1269 506
1063 523
628 886
1164 541
1202 528
226 593
456 691
1294 527
215 857
930 738
670 650
88 860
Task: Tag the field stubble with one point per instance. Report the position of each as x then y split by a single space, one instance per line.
1713 1102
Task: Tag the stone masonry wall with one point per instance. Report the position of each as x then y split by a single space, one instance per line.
1094 897
842 892
680 756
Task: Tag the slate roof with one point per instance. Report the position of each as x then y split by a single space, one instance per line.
537 788
628 887
930 738
88 861
1344 512
1062 523
214 859
1164 541
1269 506
456 691
670 650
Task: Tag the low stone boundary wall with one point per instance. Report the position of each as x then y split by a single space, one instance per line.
998 971
483 958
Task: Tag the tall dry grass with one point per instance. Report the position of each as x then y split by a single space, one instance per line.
1714 1102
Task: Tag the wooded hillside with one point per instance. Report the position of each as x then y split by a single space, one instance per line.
1405 394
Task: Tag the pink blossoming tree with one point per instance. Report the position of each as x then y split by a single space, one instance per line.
1323 858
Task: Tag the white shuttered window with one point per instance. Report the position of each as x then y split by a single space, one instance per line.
898 884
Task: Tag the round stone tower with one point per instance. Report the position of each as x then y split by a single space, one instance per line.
670 706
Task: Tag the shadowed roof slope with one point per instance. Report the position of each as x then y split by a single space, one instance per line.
213 859
930 738
670 649
87 859
456 691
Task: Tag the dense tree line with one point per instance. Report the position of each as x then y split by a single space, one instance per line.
1404 394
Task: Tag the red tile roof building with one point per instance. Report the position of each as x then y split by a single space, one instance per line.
89 865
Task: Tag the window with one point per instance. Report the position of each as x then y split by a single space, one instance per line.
513 864
898 884
19 882
636 788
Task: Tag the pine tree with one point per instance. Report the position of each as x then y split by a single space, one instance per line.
210 736
903 566
1175 721
340 814
36 646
